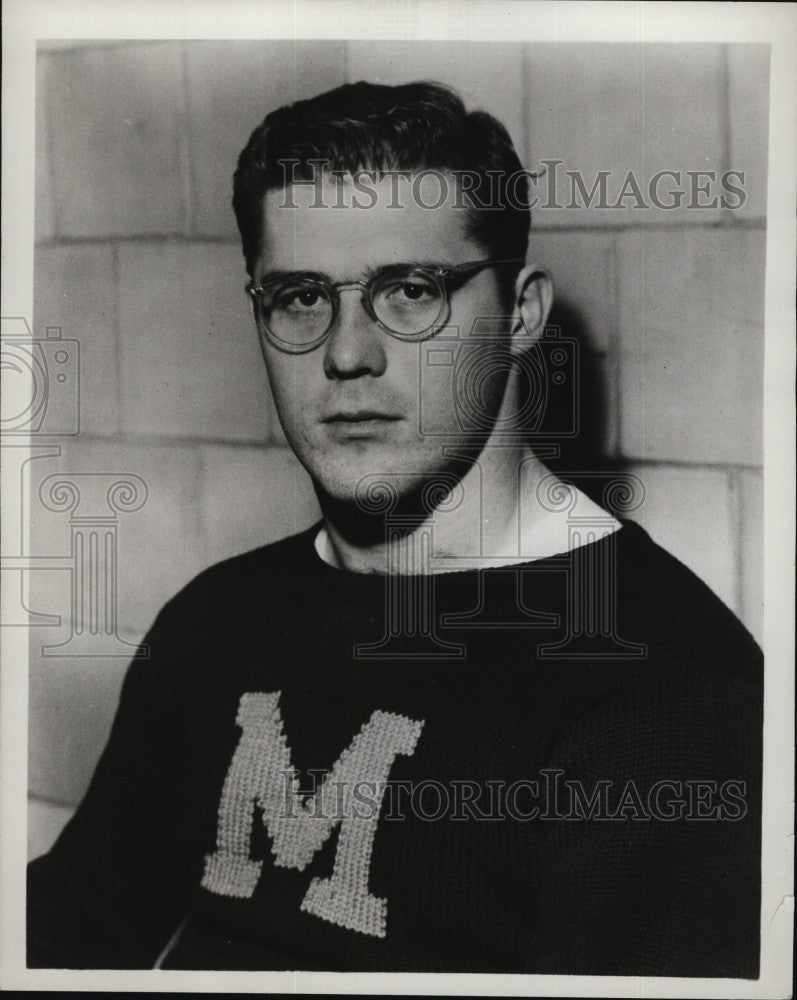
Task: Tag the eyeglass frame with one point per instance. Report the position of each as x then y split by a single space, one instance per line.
440 275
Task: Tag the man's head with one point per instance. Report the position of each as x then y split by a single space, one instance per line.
413 127
341 336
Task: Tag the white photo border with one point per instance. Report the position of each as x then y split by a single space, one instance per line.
29 21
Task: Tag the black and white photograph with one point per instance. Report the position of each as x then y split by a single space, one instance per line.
398 531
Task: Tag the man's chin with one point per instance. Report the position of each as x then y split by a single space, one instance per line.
374 492
372 496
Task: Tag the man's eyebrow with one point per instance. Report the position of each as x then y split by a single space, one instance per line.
270 275
366 275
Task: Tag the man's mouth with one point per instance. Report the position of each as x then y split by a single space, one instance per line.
359 417
346 426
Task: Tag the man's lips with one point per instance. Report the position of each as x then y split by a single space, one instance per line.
358 417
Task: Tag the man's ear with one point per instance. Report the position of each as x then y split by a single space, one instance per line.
533 301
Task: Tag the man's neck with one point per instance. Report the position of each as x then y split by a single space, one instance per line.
492 516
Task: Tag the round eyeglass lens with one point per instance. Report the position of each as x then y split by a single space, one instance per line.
407 302
297 313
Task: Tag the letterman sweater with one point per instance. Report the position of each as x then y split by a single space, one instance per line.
475 771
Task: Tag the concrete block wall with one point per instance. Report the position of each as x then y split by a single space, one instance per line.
138 258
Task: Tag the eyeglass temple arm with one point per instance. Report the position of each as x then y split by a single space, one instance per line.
478 264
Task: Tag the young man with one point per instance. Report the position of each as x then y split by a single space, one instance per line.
471 721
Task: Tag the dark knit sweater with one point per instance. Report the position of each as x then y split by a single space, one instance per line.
251 672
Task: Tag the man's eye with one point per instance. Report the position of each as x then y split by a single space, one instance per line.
414 291
297 299
411 291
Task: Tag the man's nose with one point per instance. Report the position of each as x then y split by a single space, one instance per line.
355 346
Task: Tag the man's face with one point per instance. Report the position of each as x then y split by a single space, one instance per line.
353 406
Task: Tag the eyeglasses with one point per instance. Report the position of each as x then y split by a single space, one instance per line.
298 310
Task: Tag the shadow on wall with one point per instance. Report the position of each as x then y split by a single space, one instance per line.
570 428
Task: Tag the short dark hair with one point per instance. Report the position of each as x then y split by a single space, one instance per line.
372 127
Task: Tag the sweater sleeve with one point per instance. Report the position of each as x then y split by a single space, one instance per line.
668 889
114 887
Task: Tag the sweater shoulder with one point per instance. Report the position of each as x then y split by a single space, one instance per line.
655 571
677 609
260 569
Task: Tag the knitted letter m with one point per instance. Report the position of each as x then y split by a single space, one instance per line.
260 768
